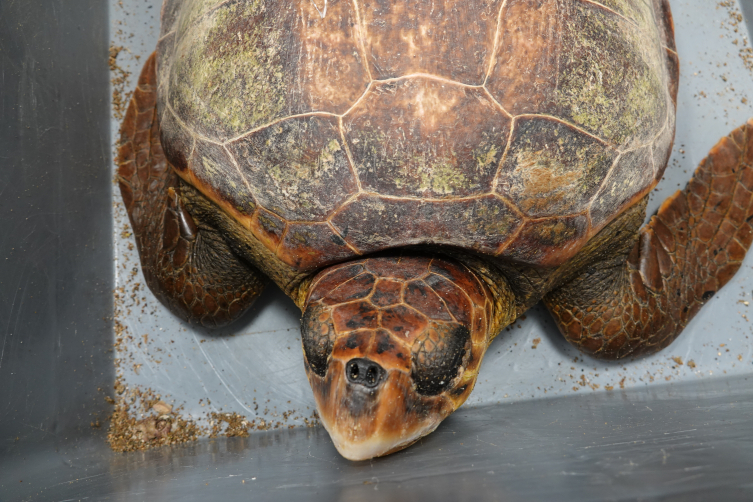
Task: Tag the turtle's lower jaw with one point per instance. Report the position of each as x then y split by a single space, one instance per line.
392 347
376 445
366 421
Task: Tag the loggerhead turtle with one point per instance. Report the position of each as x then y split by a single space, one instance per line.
416 175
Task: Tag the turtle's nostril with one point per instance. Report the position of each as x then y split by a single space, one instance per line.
353 372
371 376
364 372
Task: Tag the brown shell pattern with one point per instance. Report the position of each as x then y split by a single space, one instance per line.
337 128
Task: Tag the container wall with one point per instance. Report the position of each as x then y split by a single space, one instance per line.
55 220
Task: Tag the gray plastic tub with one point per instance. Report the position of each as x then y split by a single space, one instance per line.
541 424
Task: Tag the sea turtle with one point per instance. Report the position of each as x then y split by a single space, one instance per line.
415 176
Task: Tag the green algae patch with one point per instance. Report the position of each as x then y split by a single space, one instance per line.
229 73
441 177
297 167
610 82
552 168
492 219
192 12
399 161
639 11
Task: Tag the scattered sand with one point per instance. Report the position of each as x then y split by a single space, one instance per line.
737 26
120 95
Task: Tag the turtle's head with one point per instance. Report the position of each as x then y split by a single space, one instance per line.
392 347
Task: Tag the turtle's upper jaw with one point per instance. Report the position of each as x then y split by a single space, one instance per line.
392 347
367 421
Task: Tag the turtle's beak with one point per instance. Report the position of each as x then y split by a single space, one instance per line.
370 411
392 346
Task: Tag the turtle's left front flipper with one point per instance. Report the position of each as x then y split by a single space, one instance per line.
187 263
638 303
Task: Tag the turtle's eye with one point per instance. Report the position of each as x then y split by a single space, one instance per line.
318 337
437 356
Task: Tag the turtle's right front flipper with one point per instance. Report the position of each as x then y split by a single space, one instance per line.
638 303
187 263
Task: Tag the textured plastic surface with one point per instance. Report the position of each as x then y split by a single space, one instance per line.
686 439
